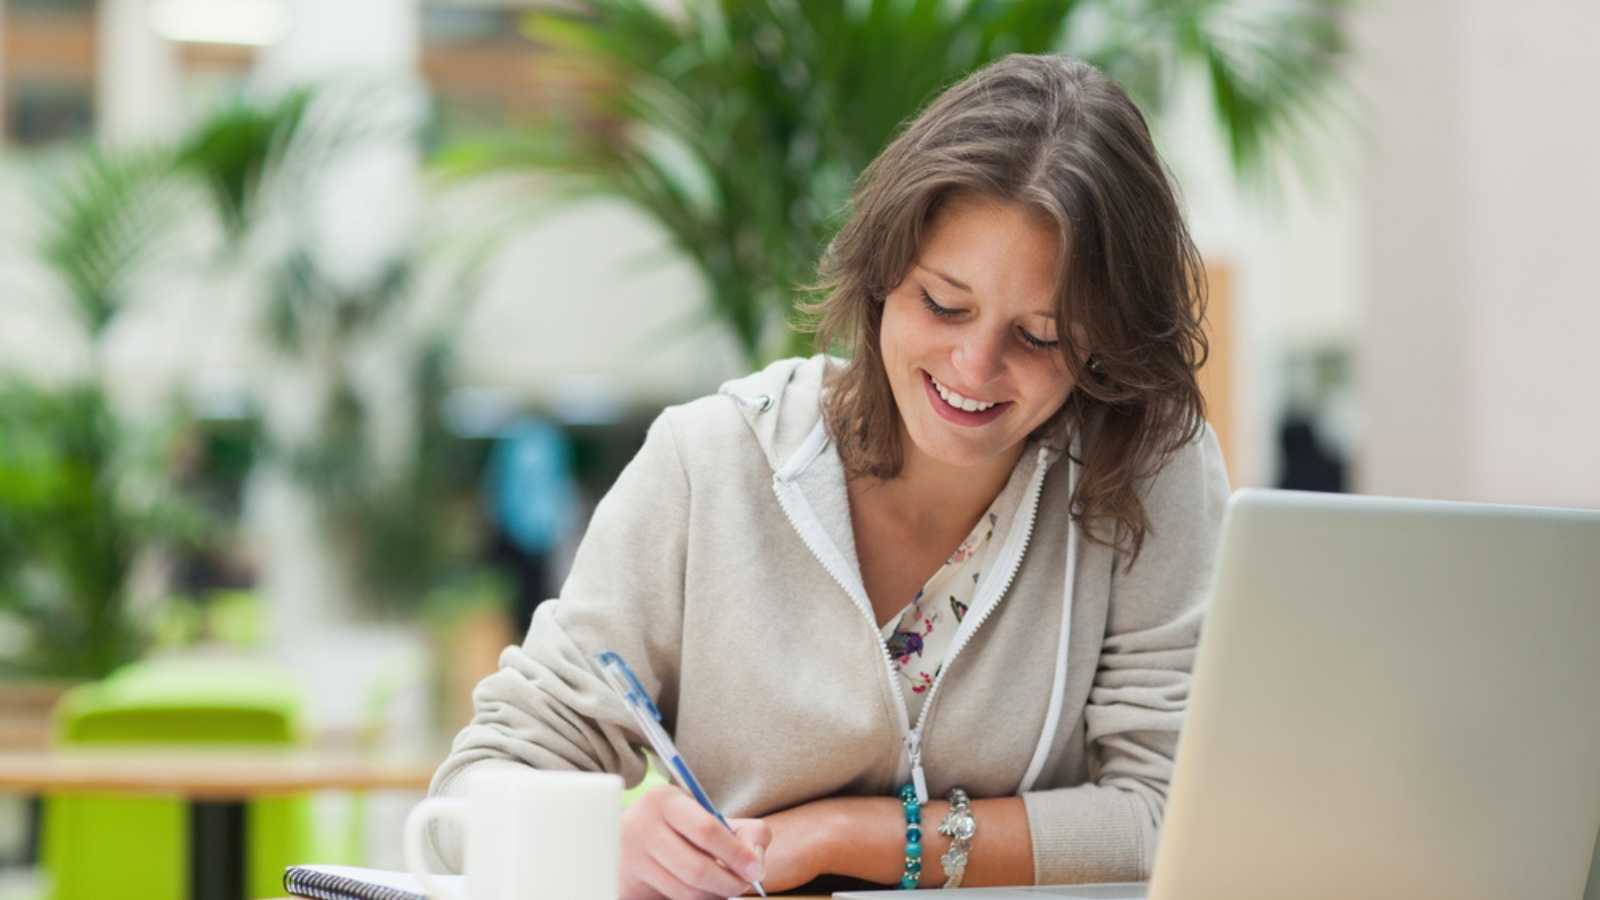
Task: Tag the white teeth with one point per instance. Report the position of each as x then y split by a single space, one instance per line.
956 400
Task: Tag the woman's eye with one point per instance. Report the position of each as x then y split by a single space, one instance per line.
1037 343
943 312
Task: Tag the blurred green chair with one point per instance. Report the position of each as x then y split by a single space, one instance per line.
104 846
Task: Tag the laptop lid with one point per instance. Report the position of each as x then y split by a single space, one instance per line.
1392 699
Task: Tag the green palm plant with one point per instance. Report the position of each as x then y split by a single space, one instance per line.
231 151
262 163
740 125
63 552
82 491
103 216
382 523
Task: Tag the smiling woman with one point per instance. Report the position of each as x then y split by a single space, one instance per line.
967 562
1026 200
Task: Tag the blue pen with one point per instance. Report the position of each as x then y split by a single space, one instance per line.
648 716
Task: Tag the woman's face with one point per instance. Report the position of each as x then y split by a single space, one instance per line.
969 336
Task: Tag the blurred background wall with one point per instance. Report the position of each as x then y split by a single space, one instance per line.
1477 362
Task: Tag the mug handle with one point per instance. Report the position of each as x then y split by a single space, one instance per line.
416 826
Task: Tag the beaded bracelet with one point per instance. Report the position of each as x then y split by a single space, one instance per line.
913 810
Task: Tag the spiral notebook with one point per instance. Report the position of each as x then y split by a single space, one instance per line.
351 883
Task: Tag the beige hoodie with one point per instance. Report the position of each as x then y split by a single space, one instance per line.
722 567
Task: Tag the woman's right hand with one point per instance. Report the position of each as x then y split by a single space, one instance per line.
673 848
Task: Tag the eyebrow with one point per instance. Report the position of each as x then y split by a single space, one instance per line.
956 283
960 285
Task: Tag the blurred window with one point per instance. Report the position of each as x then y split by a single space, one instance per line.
47 70
482 71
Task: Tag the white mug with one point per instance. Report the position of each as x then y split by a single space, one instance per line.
528 833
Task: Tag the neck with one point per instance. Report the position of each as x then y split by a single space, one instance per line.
935 496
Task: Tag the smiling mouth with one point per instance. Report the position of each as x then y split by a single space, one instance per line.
957 401
970 413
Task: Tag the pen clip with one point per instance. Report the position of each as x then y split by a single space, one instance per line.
626 682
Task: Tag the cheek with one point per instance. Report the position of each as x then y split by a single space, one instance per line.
889 326
1051 383
900 335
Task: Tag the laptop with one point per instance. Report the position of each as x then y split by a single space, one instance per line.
1392 699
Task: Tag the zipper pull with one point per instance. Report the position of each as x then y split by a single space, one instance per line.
914 753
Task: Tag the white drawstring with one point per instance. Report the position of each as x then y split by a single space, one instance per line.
1052 719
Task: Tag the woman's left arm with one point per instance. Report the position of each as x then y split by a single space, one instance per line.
1106 829
865 837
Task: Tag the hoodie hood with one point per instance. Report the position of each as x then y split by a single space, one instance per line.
779 403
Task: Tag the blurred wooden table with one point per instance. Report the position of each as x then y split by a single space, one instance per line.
25 710
207 773
217 782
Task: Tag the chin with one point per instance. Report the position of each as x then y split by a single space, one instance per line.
960 454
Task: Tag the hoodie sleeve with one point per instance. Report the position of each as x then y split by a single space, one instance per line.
1106 829
547 707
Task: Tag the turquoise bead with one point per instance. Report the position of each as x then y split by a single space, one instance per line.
913 810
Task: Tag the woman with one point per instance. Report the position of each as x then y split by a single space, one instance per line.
972 556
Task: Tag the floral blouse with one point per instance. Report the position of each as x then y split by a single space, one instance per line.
920 635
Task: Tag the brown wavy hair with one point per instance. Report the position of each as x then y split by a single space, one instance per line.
1054 135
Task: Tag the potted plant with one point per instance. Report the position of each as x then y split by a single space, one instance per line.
84 490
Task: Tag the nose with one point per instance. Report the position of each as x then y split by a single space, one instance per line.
979 356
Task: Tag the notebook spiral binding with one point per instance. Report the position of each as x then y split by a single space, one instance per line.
302 882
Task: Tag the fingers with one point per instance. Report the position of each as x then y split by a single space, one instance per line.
664 884
755 832
703 831
691 867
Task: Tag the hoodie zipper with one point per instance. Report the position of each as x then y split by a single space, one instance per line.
913 736
914 739
812 540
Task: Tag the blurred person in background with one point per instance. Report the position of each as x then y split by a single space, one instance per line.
533 503
970 554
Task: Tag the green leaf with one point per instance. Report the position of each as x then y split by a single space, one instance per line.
102 217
